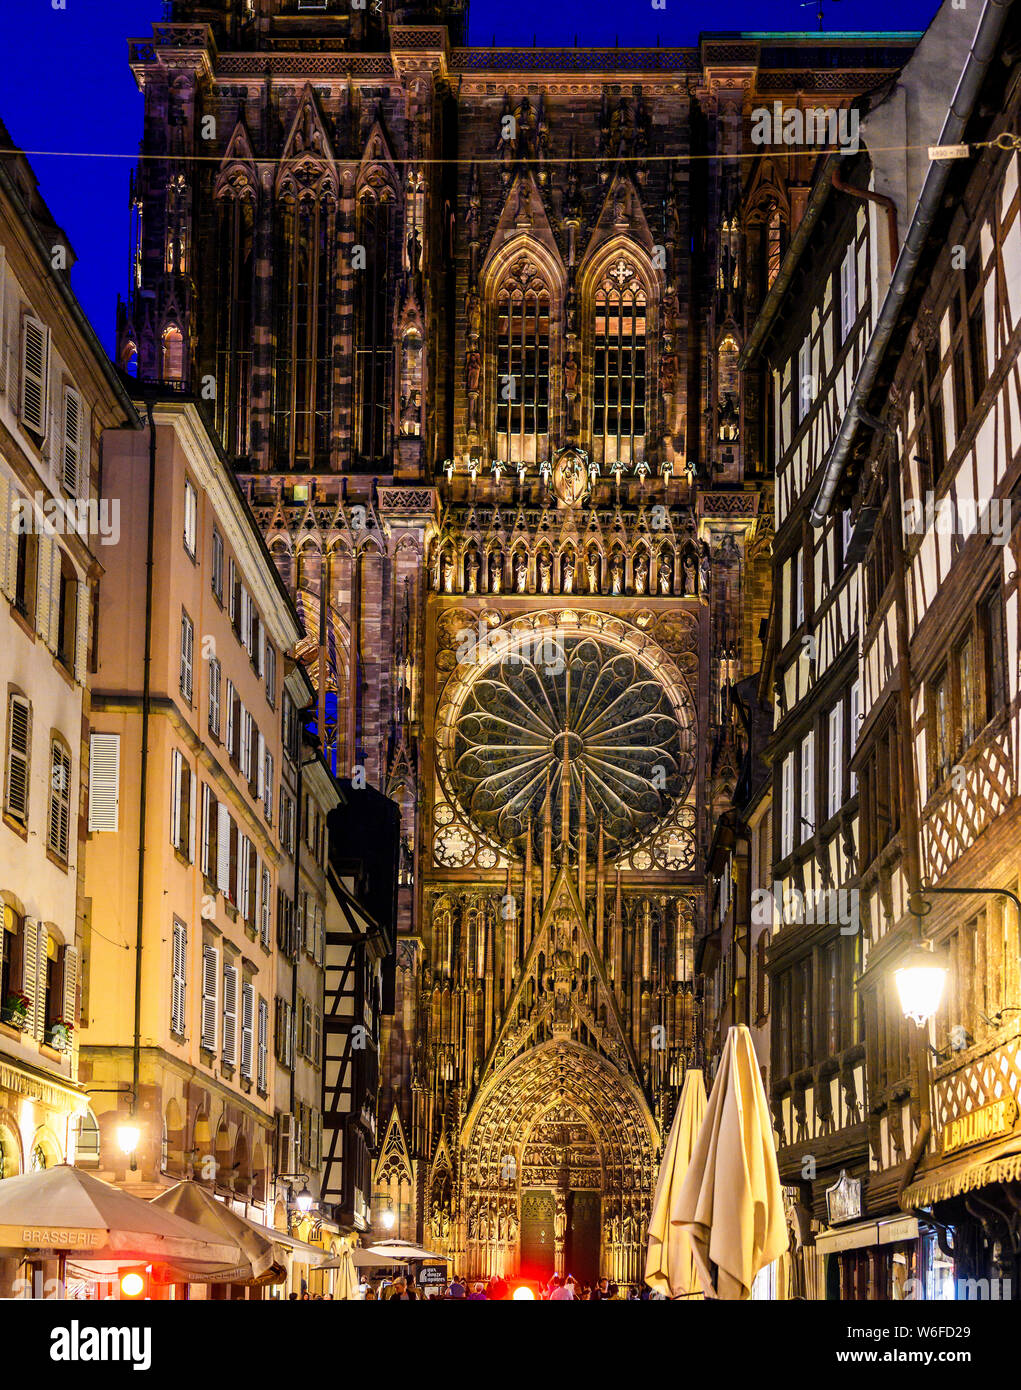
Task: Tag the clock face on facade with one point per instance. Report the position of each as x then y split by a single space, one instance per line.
573 711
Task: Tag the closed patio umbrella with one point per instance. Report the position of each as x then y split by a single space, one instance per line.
730 1201
361 1259
400 1251
670 1264
347 1277
74 1214
259 1263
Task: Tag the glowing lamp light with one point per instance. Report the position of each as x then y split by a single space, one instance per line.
523 1294
920 979
127 1138
387 1219
303 1200
132 1284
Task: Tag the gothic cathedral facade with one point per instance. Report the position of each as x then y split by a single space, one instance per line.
469 321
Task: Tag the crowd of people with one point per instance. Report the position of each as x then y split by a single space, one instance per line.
558 1289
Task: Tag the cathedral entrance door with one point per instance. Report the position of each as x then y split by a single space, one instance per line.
584 1228
537 1209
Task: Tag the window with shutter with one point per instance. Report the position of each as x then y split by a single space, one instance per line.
246 850
33 965
271 673
71 471
207 859
836 759
187 655
229 734
855 715
232 591
69 1006
247 1028
35 363
210 963
178 988
263 1046
214 696
104 781
787 806
268 785
848 293
59 825
19 724
81 642
47 590
807 788
230 1013
222 848
267 902
190 518
216 572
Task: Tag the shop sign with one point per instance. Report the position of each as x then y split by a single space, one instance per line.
990 1121
843 1199
432 1274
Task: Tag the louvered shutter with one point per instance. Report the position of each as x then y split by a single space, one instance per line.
214 696
229 733
32 932
60 801
230 1013
247 1028
176 764
187 655
210 962
70 1007
192 782
18 757
177 989
47 579
8 539
104 781
71 467
260 768
260 1070
35 356
207 811
268 775
222 848
267 907
81 642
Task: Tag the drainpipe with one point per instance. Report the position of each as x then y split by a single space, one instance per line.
927 209
136 1057
880 199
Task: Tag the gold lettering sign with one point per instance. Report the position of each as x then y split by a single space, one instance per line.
987 1122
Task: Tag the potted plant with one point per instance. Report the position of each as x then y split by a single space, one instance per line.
15 1010
59 1035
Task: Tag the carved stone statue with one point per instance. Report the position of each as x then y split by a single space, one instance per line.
571 375
545 572
704 567
471 572
520 573
666 573
592 571
641 573
448 572
567 574
495 572
616 575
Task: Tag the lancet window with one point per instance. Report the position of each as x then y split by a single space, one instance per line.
522 390
619 366
304 290
235 261
375 331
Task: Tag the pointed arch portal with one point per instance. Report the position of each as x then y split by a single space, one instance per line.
558 1157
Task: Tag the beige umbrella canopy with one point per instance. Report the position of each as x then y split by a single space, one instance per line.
347 1279
401 1250
70 1212
258 1264
670 1264
730 1201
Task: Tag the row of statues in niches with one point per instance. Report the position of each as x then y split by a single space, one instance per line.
665 572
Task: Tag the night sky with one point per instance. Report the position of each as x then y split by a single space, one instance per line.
67 88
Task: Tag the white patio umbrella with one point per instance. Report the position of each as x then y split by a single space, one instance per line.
262 1262
347 1277
361 1259
401 1250
71 1213
730 1201
670 1264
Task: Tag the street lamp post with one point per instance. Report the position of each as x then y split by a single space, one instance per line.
921 976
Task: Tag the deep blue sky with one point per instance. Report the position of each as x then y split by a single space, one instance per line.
67 87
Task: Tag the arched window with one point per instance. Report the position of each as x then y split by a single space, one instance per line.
374 345
175 254
522 364
774 243
129 359
235 263
618 364
304 280
173 355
